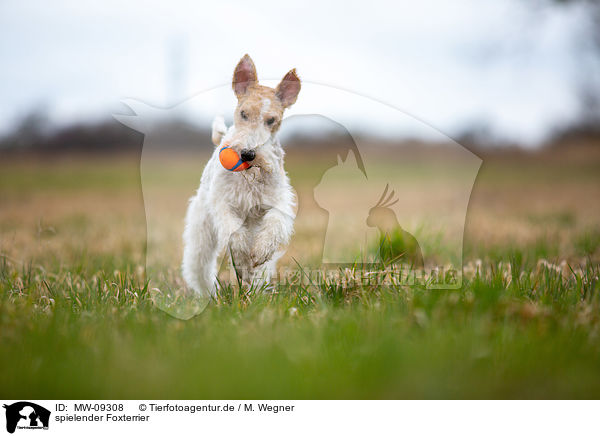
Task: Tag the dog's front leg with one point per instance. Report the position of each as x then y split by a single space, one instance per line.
273 232
230 225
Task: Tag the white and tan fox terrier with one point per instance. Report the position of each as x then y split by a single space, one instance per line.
249 213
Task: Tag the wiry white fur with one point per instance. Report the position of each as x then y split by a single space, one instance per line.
266 104
250 212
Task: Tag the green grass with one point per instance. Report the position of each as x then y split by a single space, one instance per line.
84 332
77 320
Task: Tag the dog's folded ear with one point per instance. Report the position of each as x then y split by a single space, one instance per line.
288 89
244 76
219 129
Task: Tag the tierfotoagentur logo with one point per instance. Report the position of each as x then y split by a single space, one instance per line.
25 415
368 210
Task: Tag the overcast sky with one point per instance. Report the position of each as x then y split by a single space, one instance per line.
452 64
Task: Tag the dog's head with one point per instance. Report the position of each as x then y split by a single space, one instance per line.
259 112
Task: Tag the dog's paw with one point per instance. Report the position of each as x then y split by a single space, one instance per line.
263 250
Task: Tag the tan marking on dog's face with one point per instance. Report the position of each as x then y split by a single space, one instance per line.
259 106
259 112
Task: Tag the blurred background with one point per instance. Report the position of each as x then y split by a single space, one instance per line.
523 73
516 82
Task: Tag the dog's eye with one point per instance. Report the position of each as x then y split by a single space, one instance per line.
270 121
244 115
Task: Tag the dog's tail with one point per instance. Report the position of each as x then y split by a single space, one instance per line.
218 130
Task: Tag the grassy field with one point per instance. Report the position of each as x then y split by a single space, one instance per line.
76 319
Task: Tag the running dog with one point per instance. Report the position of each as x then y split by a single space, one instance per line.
249 213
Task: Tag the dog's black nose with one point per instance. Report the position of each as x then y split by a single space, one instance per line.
248 155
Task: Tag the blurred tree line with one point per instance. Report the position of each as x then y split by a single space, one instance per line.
34 133
587 121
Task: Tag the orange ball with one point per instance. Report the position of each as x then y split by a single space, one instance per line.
231 161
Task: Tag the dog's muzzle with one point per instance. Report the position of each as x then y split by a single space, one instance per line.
247 155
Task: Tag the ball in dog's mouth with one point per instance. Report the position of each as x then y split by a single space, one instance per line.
231 161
